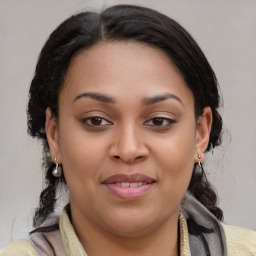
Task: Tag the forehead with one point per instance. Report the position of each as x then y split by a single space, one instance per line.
131 67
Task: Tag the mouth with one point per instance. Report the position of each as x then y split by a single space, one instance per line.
129 187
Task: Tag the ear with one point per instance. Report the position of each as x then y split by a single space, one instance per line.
52 133
203 130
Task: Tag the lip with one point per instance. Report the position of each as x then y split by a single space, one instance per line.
144 185
135 177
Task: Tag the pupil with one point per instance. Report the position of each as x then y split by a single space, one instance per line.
96 120
158 121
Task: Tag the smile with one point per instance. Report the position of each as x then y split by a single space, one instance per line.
129 187
132 184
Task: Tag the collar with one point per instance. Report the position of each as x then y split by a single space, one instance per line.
72 245
184 240
205 232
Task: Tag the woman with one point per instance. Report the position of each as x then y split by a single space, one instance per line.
126 106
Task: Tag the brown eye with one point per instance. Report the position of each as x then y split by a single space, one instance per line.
161 122
158 121
96 120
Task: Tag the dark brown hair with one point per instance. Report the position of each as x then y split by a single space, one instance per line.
120 23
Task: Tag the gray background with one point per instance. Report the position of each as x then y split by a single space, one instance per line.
225 30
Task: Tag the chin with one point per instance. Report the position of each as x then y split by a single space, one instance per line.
132 230
133 224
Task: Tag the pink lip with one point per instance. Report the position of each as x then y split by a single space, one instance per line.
136 177
129 193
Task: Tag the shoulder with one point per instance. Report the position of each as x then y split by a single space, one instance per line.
240 241
21 247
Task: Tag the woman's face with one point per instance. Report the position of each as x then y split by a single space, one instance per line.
126 136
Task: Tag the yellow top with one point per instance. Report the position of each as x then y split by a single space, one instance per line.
240 241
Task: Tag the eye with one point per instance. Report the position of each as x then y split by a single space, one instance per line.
160 122
96 121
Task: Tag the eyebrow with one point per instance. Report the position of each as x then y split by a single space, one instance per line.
159 98
96 96
146 101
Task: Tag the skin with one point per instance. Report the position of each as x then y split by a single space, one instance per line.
161 140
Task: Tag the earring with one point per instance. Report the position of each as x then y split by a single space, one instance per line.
57 171
199 168
199 162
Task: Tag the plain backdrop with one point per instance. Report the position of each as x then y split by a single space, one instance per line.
226 32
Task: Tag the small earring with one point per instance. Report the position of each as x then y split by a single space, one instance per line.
57 171
199 162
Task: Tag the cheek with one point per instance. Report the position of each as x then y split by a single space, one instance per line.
176 159
82 156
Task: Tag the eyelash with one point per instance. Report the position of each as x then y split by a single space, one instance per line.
101 119
88 122
168 122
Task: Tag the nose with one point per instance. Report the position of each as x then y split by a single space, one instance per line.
128 145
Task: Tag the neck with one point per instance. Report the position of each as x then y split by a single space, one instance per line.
163 240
